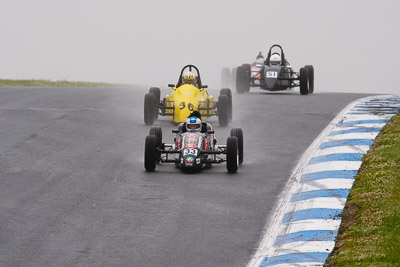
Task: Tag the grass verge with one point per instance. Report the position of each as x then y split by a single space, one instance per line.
48 83
369 234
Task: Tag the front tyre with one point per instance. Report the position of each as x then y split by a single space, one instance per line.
223 110
310 71
303 81
238 133
150 153
149 109
232 154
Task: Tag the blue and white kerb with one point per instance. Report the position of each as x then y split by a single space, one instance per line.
303 229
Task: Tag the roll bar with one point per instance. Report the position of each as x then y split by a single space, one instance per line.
190 69
269 55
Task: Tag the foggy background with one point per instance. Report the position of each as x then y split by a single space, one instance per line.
353 45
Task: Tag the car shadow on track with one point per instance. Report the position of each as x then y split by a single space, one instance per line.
217 170
292 93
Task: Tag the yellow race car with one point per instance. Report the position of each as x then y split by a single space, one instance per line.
187 95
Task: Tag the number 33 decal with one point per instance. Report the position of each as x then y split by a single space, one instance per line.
183 105
190 151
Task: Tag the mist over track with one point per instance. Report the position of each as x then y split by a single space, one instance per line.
74 190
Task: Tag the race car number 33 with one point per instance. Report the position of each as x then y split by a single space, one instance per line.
190 151
272 74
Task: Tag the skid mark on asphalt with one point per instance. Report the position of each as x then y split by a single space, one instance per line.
303 229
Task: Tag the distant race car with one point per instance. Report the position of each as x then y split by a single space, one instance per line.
184 98
275 74
193 150
228 79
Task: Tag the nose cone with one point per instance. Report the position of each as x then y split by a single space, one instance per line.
186 100
271 76
189 161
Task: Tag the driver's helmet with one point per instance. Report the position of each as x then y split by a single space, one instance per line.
189 78
275 59
193 124
260 58
195 113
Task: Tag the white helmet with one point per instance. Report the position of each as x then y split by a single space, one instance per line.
193 124
275 59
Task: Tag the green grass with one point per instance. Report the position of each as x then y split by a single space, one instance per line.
369 234
48 83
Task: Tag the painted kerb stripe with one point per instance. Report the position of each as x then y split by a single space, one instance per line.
337 193
328 175
311 214
295 258
314 235
356 130
337 157
346 142
353 123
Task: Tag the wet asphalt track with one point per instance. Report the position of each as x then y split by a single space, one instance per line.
73 190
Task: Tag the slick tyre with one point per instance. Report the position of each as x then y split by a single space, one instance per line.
247 72
157 132
225 77
310 72
223 110
232 154
228 92
149 109
238 133
303 81
150 153
233 79
157 94
240 80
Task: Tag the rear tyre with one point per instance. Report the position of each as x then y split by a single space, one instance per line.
150 153
303 81
238 133
157 94
225 77
310 71
233 79
228 92
240 76
223 110
149 109
157 132
247 72
232 154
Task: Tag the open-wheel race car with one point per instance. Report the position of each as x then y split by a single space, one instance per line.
187 95
193 150
275 74
228 76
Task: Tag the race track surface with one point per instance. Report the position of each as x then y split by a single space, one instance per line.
74 191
